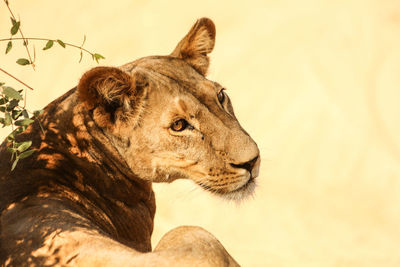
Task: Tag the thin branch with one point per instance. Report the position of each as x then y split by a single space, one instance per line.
20 31
15 78
45 39
25 99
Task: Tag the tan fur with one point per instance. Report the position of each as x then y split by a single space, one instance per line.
84 198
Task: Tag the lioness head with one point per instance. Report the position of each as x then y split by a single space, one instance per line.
168 121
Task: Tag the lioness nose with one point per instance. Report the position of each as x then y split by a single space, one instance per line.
249 165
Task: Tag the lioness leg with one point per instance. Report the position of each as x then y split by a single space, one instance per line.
186 242
51 234
183 246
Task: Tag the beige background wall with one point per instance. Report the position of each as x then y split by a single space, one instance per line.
316 83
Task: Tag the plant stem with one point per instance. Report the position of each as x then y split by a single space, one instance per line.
45 39
25 99
23 38
15 78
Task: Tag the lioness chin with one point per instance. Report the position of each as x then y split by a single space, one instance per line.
85 198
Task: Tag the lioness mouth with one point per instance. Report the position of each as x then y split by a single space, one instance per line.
243 188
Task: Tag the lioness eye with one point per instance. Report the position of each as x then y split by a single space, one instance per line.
221 96
179 125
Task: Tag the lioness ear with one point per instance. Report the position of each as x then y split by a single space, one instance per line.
113 92
104 86
195 46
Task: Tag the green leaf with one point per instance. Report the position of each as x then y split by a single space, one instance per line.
3 109
41 127
16 144
84 40
11 136
26 154
11 150
61 43
14 164
15 27
7 119
11 93
23 61
97 57
80 59
3 101
49 44
23 122
1 84
20 129
9 46
15 114
25 114
36 113
24 146
13 103
2 121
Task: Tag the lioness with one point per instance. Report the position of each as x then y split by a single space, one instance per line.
85 198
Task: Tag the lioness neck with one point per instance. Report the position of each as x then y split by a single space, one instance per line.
75 160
